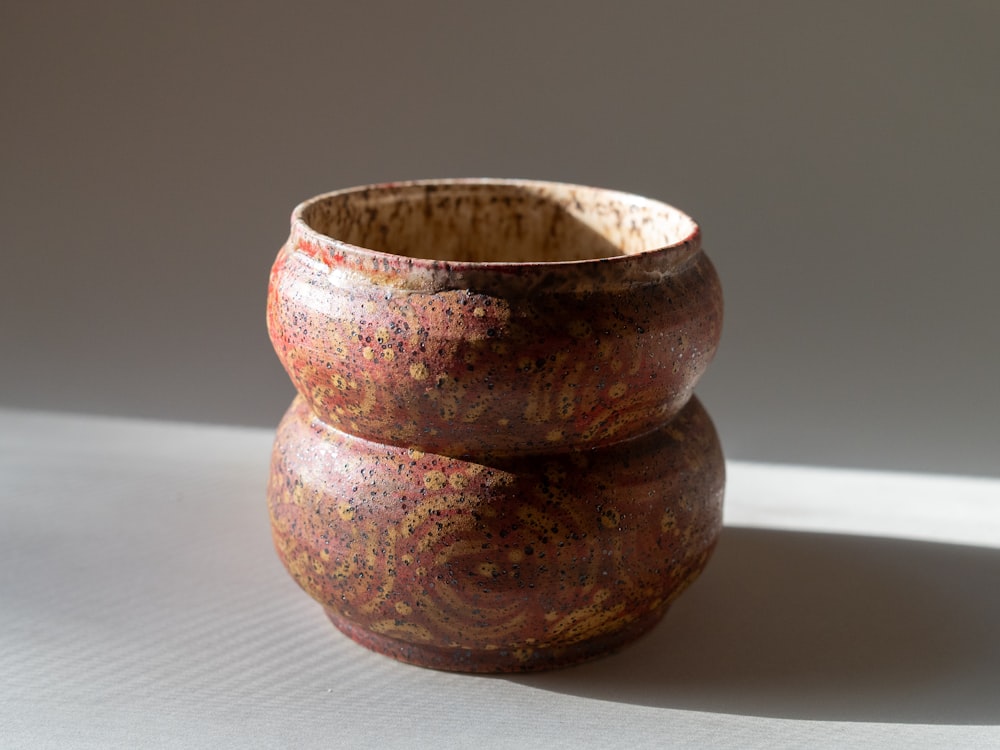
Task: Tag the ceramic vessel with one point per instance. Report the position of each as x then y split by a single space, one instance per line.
494 462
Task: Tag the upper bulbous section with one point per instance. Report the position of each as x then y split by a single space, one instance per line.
493 317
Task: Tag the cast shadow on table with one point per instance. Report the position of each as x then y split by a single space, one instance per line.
818 626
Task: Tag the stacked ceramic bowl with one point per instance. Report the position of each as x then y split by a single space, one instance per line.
495 461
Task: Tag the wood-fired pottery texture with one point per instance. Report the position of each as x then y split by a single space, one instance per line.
495 462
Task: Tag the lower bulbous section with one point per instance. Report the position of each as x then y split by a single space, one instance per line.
505 565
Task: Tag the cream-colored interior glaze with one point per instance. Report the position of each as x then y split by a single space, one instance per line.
498 222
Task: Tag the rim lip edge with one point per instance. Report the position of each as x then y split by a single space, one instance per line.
671 255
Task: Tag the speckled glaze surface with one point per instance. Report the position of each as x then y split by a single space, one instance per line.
494 462
584 347
521 564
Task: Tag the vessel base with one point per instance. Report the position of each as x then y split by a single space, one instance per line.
498 660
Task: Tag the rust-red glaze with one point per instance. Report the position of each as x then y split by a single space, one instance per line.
520 564
507 358
495 462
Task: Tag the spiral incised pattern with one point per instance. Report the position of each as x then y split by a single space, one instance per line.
508 565
495 461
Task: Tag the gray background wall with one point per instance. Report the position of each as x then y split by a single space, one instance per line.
842 159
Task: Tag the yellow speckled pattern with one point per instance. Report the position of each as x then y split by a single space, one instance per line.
523 563
495 462
464 357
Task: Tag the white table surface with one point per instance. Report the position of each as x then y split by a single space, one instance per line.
142 605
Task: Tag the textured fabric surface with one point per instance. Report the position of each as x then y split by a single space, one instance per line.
141 605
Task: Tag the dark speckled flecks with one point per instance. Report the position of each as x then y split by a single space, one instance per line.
495 462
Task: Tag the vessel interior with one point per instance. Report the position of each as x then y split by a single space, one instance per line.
504 222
